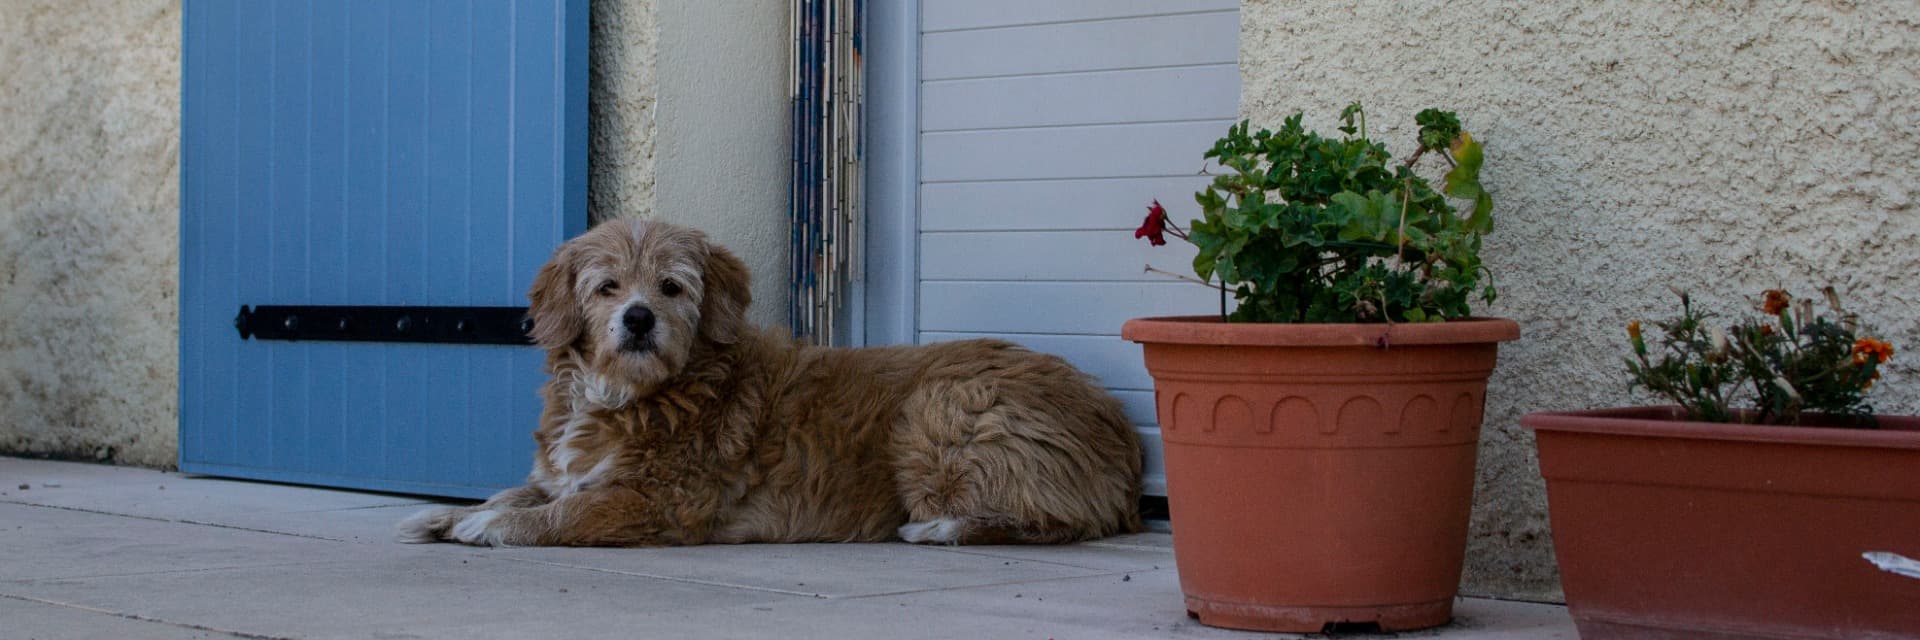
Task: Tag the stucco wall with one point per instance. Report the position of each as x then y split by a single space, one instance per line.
89 228
1719 147
623 54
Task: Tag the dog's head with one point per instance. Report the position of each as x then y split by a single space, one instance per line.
634 299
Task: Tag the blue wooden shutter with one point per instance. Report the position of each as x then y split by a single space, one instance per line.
371 153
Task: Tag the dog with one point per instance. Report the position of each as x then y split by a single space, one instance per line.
670 420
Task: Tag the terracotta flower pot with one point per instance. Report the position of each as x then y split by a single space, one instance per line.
1319 474
1666 528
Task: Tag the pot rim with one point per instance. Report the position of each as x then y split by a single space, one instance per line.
1668 421
1210 330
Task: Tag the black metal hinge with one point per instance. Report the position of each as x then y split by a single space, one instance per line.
446 325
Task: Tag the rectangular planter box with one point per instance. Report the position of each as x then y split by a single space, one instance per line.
1666 528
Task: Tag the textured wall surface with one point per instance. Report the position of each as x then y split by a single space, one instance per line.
1719 147
89 228
623 60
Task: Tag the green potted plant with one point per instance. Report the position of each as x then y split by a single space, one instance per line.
1320 436
1767 501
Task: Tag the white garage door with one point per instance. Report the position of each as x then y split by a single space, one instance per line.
1044 129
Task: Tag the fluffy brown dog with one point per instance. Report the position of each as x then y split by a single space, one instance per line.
669 420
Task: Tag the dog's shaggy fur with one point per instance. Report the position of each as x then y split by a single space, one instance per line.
669 420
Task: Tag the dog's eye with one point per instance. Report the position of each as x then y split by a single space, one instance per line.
670 288
606 288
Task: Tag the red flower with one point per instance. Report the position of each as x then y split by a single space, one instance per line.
1155 227
1865 348
1776 302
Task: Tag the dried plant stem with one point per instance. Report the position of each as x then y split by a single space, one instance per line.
1150 269
1400 248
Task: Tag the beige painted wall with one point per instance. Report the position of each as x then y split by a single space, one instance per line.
690 126
89 228
1720 147
89 216
722 141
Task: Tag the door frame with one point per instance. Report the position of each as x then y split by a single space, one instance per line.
887 293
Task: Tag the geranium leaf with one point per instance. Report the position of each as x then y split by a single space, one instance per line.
1464 182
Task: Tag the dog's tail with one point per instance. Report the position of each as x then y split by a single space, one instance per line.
994 531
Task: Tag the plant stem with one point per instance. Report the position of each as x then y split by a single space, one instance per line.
1174 228
1176 276
1414 158
1223 303
1400 243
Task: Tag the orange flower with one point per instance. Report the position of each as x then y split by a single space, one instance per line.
1870 348
1766 329
1777 301
1633 331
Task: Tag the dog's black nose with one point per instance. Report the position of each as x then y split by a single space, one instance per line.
639 320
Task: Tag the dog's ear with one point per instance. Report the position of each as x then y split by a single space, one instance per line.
555 312
729 291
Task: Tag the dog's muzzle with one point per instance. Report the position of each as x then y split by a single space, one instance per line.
639 322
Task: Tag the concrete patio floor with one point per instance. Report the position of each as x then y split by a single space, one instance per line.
90 551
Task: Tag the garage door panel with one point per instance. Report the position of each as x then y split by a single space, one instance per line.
1180 40
1154 478
1107 255
1101 151
1087 308
448 196
326 151
1115 204
1139 405
1102 97
976 14
405 110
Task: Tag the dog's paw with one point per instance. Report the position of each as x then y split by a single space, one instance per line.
936 531
426 525
478 529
